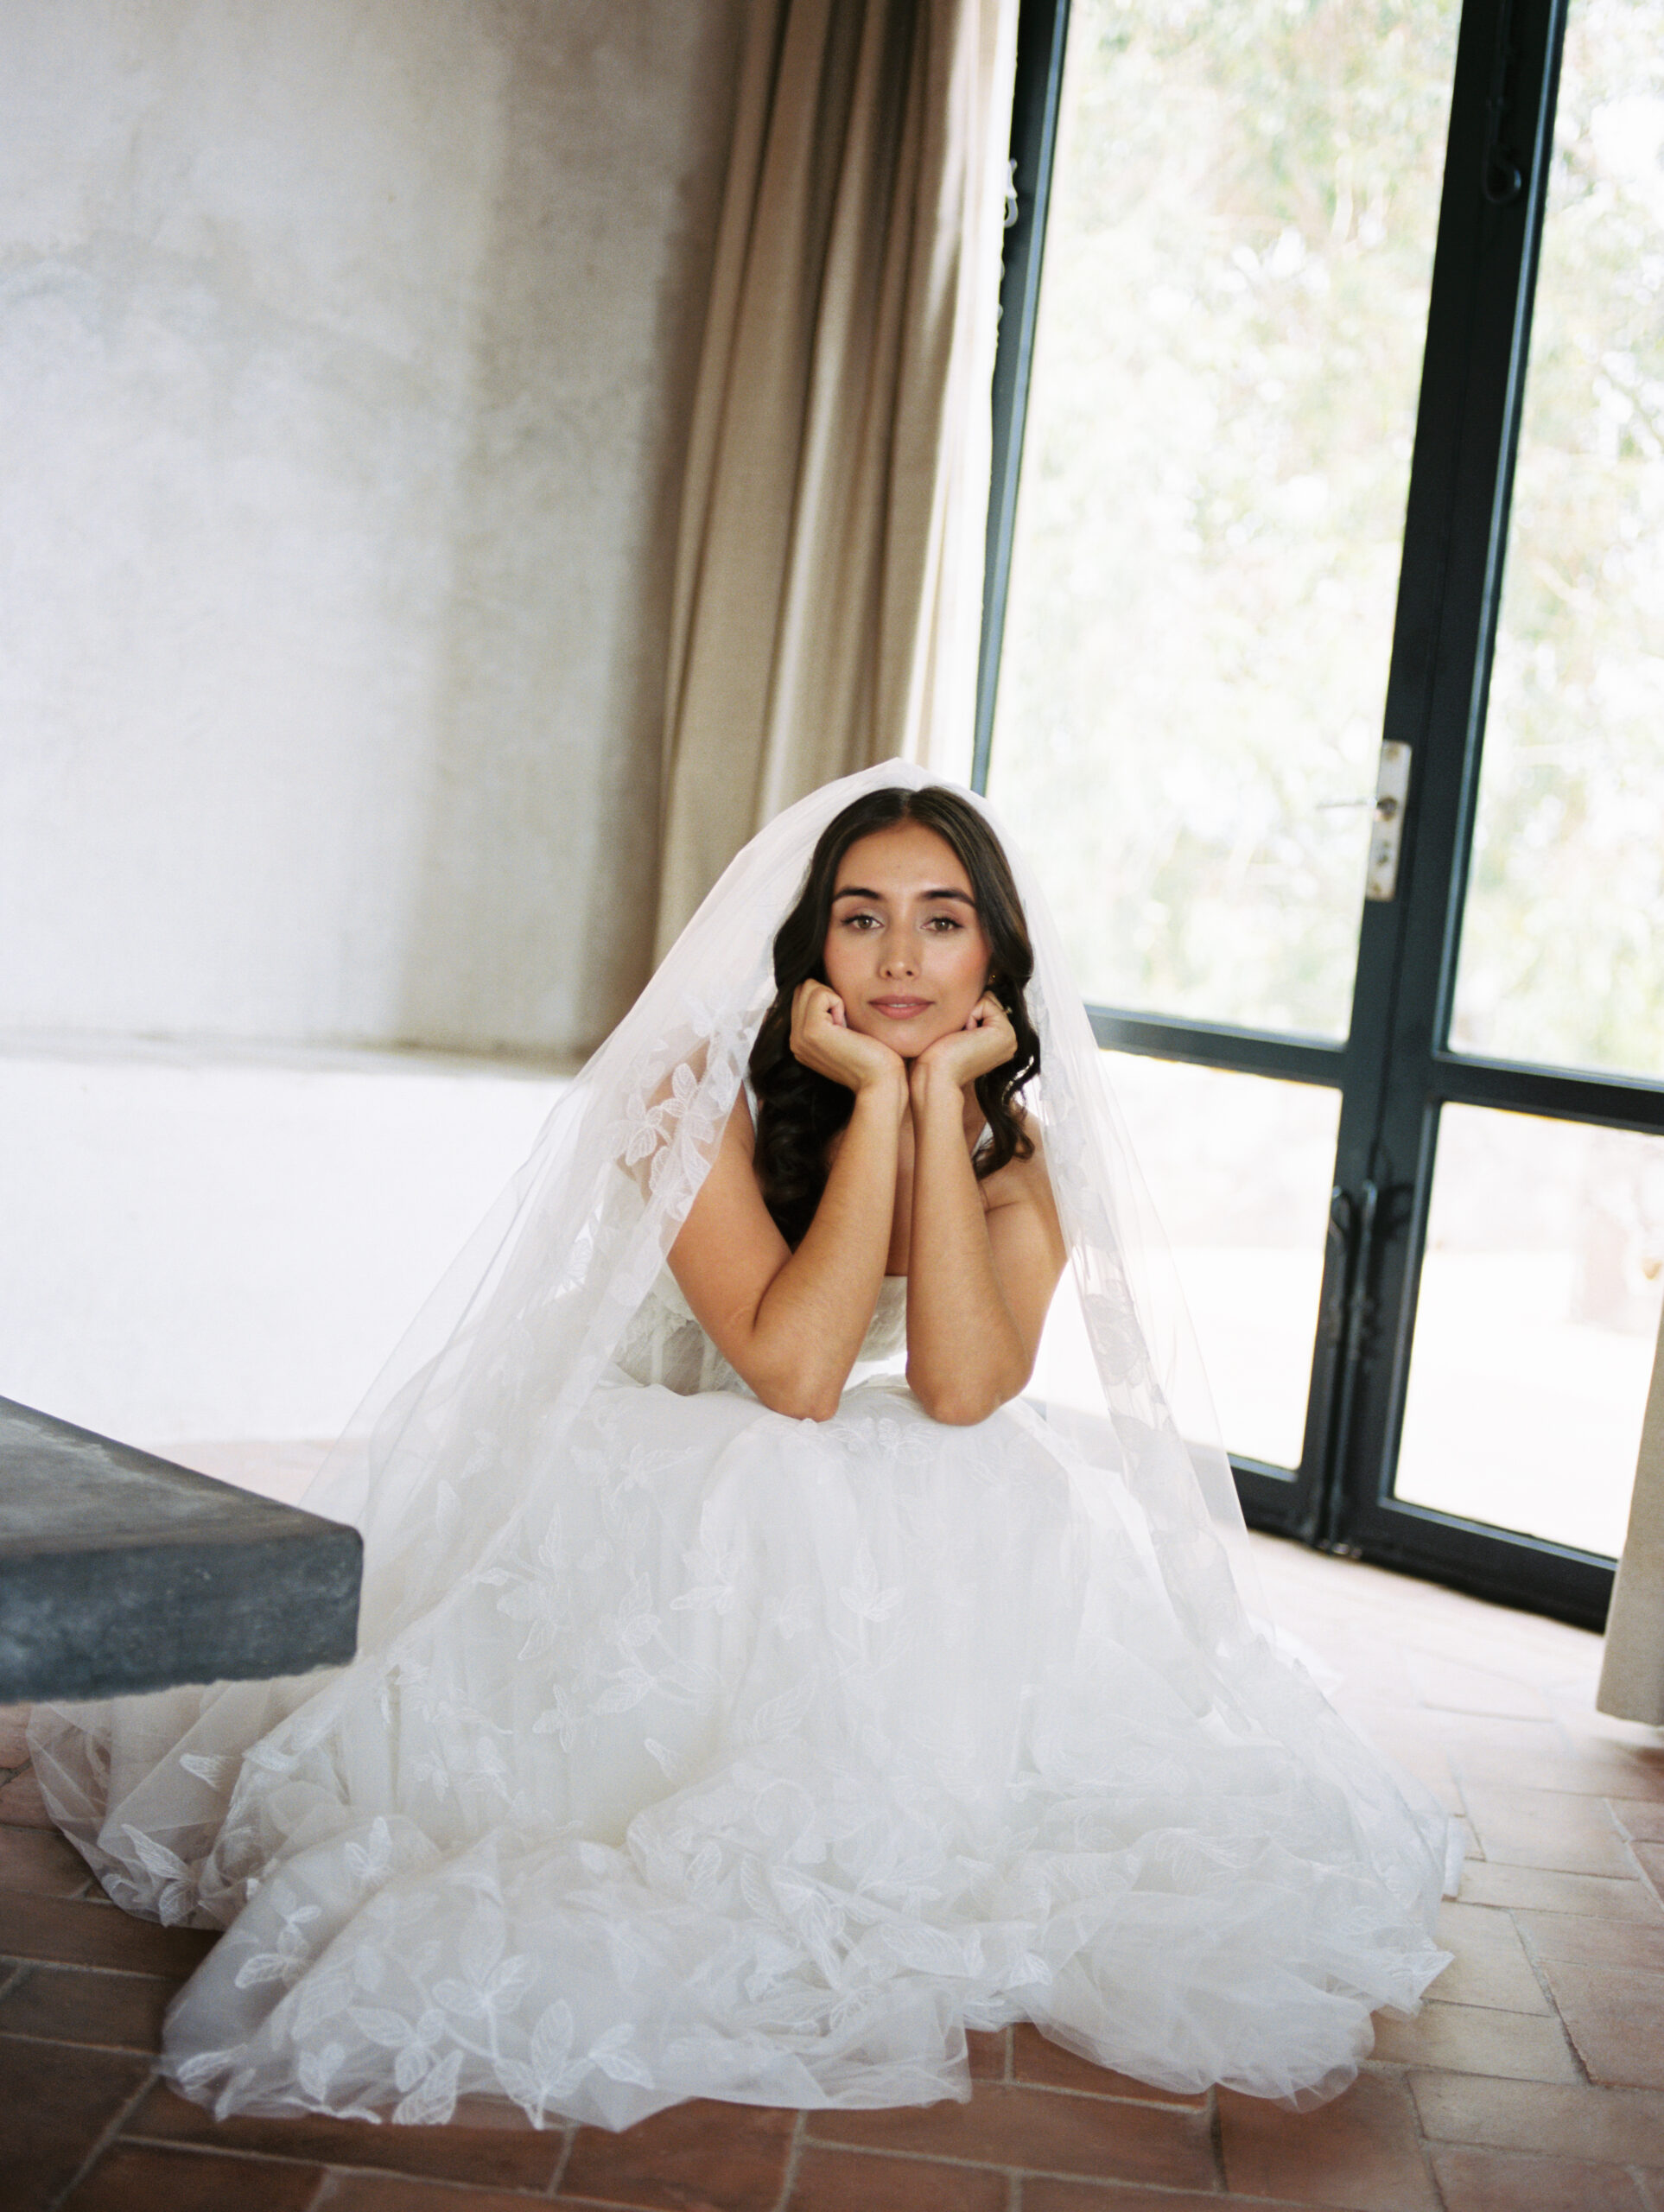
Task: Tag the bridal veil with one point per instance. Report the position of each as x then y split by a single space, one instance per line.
692 1751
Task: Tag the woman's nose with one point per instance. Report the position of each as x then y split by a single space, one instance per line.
900 955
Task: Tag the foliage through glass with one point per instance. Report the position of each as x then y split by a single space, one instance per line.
1238 256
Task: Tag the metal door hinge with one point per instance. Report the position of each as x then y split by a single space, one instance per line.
1352 1222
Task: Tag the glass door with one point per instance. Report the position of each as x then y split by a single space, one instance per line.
1386 1021
1202 570
1520 1124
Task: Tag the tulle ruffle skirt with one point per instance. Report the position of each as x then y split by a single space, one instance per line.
759 1759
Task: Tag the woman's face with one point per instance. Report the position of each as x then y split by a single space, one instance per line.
905 949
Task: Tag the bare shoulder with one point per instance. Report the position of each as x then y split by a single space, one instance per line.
742 1128
728 1220
1023 1181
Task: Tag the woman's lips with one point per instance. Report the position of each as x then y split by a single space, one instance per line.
898 1010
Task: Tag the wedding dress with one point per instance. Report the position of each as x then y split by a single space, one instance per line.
692 1749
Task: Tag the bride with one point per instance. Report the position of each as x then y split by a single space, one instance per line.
887 1055
755 1691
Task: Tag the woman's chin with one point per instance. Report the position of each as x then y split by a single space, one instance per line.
911 1040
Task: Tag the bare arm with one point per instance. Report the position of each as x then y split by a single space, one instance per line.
792 1323
985 1259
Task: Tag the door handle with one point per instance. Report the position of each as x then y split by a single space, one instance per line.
1385 836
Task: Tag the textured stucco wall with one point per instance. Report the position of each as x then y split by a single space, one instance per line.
345 358
228 1245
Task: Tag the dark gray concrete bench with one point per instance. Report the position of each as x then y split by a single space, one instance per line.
121 1572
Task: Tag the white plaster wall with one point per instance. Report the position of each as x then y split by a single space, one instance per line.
230 1246
345 353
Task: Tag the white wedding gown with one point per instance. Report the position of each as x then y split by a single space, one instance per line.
764 1760
692 1751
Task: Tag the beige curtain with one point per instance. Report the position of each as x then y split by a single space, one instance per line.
1632 1672
829 562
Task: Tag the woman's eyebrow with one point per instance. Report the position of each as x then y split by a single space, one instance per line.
857 891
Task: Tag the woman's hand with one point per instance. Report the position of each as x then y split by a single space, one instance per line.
822 1040
986 1041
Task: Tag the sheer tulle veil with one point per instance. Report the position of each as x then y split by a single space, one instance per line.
434 1818
527 1317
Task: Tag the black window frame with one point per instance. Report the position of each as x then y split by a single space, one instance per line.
1396 1070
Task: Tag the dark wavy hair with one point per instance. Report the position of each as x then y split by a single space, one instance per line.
799 1112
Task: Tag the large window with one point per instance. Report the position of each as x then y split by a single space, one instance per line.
1313 573
1239 250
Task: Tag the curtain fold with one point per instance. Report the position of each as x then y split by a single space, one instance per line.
829 571
1632 1668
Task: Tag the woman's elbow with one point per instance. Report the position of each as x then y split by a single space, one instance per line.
959 1412
961 1400
958 1405
794 1407
799 1397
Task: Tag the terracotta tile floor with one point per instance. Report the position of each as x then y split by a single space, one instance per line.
1534 2081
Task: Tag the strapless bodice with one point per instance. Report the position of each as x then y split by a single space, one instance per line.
665 1344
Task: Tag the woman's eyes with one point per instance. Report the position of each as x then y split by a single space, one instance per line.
940 923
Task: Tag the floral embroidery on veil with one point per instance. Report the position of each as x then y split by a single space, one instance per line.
692 1750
